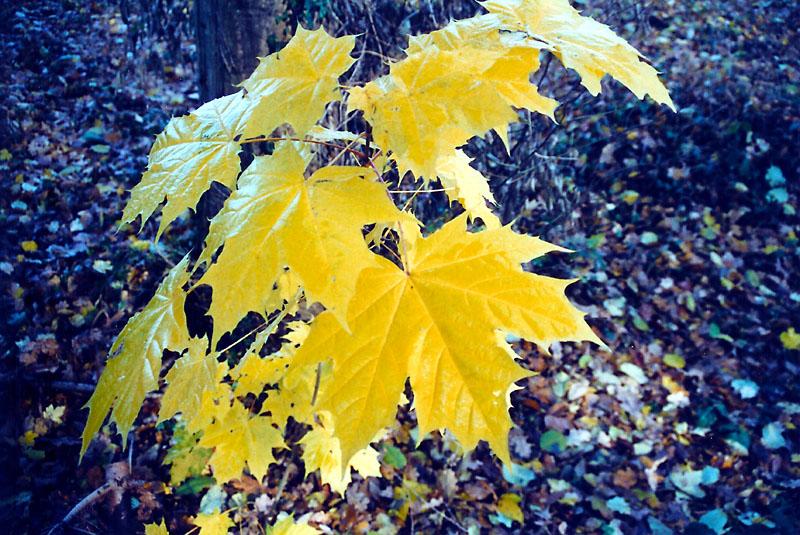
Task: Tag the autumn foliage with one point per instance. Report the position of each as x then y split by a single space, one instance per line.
434 308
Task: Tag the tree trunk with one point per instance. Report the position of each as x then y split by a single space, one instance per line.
231 35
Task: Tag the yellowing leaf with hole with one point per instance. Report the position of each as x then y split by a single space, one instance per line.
213 523
190 377
135 363
437 322
238 438
185 457
254 372
323 452
294 85
277 218
583 44
191 152
293 395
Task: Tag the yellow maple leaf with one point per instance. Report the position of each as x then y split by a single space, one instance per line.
583 44
156 529
456 83
508 505
293 396
133 369
468 186
790 338
213 523
191 152
437 322
186 458
287 526
278 218
322 451
189 378
294 85
253 372
238 438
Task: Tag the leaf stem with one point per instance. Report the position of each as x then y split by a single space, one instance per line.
270 325
260 139
416 191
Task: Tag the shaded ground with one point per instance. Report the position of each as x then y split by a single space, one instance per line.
684 228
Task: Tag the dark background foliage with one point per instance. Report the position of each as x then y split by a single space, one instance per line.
684 228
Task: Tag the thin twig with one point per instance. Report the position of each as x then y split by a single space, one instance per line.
90 498
270 326
281 486
416 191
304 140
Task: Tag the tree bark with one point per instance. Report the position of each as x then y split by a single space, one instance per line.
231 35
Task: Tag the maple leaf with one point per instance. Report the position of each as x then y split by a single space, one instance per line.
438 322
294 395
455 83
583 44
278 218
135 357
213 523
189 378
294 85
287 526
191 152
323 452
253 372
468 186
156 529
185 457
239 439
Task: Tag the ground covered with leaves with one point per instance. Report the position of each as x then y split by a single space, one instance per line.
684 231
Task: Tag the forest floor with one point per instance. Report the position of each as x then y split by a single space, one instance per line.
684 228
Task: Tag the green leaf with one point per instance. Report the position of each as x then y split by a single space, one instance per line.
674 360
639 323
552 441
394 457
194 485
714 332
